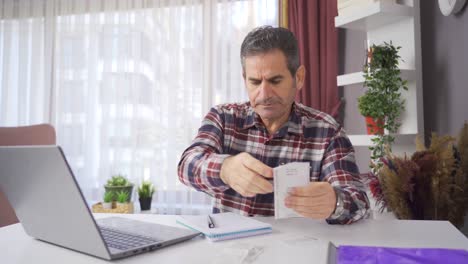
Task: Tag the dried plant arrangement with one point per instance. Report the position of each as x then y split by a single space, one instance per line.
432 184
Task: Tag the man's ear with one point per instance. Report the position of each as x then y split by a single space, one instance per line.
300 77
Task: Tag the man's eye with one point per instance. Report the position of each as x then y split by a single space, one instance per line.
275 82
255 82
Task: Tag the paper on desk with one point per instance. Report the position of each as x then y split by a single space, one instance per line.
284 177
295 249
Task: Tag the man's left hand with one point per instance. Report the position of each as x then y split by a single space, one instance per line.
316 200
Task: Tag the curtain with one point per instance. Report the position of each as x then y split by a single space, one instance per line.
125 83
312 22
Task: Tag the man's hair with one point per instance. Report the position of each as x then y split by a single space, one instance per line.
267 38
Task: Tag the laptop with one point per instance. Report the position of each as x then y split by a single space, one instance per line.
48 202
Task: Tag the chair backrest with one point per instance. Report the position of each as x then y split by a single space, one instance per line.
42 134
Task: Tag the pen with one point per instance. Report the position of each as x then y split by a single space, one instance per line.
210 222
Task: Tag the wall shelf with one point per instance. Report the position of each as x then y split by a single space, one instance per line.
366 140
397 21
374 15
357 77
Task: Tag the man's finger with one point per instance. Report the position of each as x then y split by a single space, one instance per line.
264 185
255 184
313 214
258 166
241 190
307 207
292 201
313 189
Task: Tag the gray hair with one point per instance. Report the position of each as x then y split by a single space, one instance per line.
267 38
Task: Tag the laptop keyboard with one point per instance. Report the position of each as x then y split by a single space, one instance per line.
124 241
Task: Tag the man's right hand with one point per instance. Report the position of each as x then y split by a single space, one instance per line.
246 175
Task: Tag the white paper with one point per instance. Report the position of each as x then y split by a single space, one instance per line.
284 177
286 248
302 250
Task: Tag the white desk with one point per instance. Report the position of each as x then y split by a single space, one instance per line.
17 247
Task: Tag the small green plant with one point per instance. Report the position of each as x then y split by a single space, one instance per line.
118 180
146 189
122 197
382 100
108 197
370 104
119 183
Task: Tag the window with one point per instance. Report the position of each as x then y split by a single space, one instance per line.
126 86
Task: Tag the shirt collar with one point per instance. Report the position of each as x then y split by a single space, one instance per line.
294 124
251 119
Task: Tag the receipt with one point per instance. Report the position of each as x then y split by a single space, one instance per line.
284 177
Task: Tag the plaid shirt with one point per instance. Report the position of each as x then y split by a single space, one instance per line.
309 135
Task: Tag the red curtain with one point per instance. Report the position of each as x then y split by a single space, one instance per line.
312 22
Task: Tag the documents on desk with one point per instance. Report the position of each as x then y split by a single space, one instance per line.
287 248
226 225
284 177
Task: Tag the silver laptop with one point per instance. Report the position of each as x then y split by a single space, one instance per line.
43 191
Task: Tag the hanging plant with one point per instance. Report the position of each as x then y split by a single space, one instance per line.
382 99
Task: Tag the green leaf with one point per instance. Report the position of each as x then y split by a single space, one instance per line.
122 196
108 196
146 189
118 180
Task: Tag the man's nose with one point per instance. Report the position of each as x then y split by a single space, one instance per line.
265 89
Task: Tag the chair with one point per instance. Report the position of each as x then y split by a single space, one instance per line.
42 134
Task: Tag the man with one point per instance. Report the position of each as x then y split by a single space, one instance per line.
237 145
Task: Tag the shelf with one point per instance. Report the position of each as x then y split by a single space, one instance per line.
373 15
365 140
357 77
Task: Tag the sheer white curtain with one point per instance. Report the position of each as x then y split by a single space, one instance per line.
125 83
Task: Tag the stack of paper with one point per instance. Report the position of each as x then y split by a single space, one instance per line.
286 176
227 226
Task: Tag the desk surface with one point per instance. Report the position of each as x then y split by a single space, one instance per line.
17 247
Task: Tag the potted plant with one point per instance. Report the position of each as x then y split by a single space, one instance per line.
108 196
145 195
122 198
119 183
369 106
382 104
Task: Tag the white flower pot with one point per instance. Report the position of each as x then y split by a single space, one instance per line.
107 205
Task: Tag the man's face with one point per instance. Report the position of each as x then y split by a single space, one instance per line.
270 85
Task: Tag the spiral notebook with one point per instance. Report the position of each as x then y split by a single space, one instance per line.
226 226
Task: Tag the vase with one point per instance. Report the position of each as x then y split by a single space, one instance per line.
374 126
145 203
